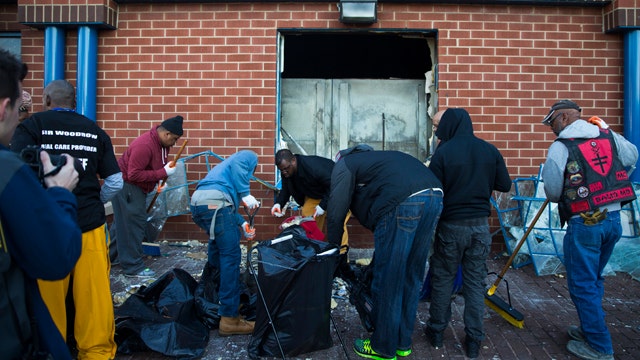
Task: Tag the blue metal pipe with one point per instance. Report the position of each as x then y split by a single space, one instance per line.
631 110
87 71
54 51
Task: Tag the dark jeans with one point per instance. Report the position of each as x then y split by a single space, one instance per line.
468 243
402 239
224 254
130 217
587 249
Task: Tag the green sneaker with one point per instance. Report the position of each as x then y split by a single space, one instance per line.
403 353
363 348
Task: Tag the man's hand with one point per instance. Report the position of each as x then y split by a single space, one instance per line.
276 211
67 177
170 168
249 232
319 211
250 202
161 187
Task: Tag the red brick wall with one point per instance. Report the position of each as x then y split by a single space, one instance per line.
216 65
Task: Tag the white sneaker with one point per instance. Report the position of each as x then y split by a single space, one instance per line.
146 273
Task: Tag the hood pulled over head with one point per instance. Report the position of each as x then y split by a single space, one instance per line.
454 122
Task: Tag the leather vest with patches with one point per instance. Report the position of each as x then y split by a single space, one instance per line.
594 176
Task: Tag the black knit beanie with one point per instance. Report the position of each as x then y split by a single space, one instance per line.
173 125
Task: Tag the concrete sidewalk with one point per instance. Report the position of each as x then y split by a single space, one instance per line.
544 301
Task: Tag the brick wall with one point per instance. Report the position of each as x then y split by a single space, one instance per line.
216 65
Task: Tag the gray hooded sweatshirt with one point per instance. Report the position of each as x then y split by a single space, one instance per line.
554 166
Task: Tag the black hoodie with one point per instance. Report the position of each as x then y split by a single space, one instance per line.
469 168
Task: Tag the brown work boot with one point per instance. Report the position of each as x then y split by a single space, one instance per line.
235 326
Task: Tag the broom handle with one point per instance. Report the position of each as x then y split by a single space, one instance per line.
175 161
493 288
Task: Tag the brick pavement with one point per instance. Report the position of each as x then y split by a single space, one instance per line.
544 301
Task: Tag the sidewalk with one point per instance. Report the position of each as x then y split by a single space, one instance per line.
544 301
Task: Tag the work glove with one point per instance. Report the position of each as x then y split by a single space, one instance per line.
250 202
599 122
249 232
276 211
161 187
170 168
319 211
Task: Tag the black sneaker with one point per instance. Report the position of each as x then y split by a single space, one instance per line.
472 347
434 337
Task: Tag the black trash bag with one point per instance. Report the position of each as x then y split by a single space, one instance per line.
206 295
207 299
359 285
296 283
162 317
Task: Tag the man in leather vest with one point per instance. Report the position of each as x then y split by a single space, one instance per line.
585 174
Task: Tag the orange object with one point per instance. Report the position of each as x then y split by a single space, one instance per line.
599 122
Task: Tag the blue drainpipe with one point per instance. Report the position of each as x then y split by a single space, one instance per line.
631 110
54 46
87 71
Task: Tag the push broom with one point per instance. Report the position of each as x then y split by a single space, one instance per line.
503 308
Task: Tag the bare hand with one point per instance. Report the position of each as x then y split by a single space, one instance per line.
66 178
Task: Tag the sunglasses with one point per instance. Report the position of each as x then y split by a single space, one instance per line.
551 120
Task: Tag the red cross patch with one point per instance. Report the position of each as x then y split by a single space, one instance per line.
598 154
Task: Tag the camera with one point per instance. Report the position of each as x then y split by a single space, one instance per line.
31 156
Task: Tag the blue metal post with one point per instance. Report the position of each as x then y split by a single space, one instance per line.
87 71
632 91
54 46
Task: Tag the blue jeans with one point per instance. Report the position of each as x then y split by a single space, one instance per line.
402 239
467 243
587 249
224 253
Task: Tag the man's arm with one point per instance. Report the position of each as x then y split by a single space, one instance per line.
553 171
627 151
140 157
503 180
342 187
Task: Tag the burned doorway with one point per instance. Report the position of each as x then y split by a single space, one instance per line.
341 88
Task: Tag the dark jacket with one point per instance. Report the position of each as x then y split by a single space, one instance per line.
43 241
312 179
372 183
469 168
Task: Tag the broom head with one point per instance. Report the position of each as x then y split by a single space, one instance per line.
513 316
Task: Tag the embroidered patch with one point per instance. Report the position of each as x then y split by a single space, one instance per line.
598 154
575 179
573 167
583 192
571 194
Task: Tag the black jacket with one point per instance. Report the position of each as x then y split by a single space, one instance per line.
469 168
372 183
312 179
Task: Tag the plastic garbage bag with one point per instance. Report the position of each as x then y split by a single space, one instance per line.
207 299
162 317
295 278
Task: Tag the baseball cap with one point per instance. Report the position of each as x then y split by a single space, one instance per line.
562 104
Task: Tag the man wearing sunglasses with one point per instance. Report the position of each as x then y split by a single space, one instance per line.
585 174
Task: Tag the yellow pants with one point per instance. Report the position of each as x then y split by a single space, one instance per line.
309 208
94 326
